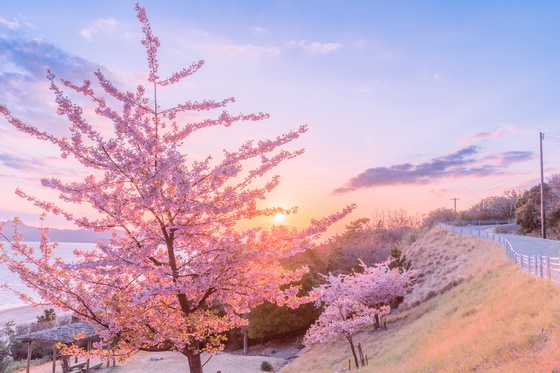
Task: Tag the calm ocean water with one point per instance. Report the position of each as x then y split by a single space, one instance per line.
7 298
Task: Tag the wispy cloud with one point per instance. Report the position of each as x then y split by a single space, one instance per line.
19 163
250 50
12 25
439 192
462 163
257 31
494 135
207 43
33 57
101 26
31 168
515 156
23 69
315 46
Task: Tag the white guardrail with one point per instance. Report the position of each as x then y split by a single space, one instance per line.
539 265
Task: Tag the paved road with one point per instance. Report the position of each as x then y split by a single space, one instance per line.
525 245
533 246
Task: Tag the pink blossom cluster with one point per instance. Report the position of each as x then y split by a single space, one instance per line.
343 318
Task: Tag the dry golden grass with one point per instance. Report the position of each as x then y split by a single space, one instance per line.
471 312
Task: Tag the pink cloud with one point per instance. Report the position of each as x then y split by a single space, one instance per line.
495 135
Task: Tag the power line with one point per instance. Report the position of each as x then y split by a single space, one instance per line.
521 172
550 158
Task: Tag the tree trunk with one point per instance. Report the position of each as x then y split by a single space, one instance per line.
65 363
376 323
353 352
193 354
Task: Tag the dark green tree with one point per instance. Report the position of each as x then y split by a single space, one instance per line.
493 208
528 209
399 260
268 320
48 316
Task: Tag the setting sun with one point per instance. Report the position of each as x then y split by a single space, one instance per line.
279 218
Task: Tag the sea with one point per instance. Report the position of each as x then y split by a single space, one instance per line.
8 299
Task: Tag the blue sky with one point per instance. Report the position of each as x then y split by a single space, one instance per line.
409 104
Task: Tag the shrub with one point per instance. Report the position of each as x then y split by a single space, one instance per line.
266 366
18 366
501 230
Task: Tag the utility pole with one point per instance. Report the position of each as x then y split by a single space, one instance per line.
455 203
543 223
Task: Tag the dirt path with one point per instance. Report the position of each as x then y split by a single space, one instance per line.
172 362
276 353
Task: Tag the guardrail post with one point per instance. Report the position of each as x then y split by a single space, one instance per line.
535 264
548 273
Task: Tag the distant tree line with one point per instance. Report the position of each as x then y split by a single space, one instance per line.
520 207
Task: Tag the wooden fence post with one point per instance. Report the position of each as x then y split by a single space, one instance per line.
361 354
54 358
29 349
88 350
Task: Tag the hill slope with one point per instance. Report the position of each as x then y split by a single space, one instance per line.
472 311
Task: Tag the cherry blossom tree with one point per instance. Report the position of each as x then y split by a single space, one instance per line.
344 317
351 300
380 285
178 272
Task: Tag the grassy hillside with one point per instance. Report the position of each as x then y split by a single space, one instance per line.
471 311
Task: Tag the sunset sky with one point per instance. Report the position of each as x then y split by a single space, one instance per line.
409 103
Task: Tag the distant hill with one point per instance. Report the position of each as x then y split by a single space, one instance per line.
31 234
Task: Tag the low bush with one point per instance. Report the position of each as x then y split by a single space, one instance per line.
266 366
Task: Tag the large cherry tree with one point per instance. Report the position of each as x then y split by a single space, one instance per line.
179 272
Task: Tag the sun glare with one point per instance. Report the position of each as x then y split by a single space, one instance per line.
279 218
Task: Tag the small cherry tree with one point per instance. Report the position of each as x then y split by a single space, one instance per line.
351 300
344 317
380 285
179 273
